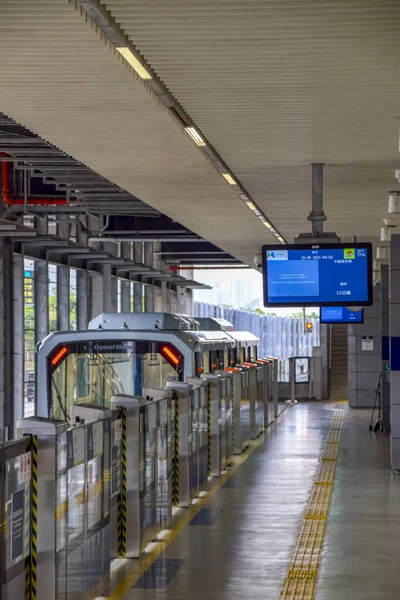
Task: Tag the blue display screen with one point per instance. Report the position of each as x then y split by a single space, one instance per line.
340 314
316 275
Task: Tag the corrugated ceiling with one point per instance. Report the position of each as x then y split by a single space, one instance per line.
62 80
274 85
278 84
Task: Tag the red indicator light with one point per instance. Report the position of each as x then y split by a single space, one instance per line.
60 355
170 356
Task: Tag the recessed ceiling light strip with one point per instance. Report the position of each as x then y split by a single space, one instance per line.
117 37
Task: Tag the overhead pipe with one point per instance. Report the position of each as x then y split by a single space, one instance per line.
207 268
10 200
317 215
161 239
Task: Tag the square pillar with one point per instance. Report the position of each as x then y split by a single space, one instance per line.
385 350
126 252
63 280
138 287
95 295
41 288
364 359
394 333
82 278
6 338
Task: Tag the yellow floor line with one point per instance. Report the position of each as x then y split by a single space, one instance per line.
300 582
137 567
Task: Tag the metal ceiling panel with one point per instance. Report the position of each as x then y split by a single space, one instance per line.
275 85
64 81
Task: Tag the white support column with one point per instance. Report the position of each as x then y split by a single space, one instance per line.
385 348
107 280
63 280
41 289
165 302
394 332
148 289
126 252
96 295
138 287
6 337
82 278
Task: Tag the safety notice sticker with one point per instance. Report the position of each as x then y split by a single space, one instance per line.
367 343
25 467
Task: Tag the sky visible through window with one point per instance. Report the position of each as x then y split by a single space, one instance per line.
238 288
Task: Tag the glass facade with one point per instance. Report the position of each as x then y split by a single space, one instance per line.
53 298
29 338
72 300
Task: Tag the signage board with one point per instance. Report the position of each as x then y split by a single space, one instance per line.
317 274
25 467
367 343
340 314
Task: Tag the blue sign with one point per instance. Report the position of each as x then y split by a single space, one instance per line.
318 275
340 314
17 524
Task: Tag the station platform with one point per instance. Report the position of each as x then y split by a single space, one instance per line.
239 541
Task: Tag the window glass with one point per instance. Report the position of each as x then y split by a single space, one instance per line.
72 300
29 337
53 301
93 373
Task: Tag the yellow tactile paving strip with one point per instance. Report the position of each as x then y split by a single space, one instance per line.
300 582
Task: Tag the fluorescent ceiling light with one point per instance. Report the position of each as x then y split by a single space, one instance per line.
251 205
267 224
134 62
229 178
195 136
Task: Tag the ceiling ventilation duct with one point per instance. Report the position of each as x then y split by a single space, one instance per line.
394 203
386 232
383 254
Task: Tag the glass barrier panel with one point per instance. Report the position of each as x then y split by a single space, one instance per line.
61 510
17 503
301 370
115 459
162 442
95 471
284 371
76 502
91 373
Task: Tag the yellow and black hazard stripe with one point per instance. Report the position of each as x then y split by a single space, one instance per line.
209 426
34 517
27 531
123 495
175 461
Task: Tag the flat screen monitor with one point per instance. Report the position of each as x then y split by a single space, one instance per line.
317 274
340 314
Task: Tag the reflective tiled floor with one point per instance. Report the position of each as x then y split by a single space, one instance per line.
361 558
239 545
242 547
